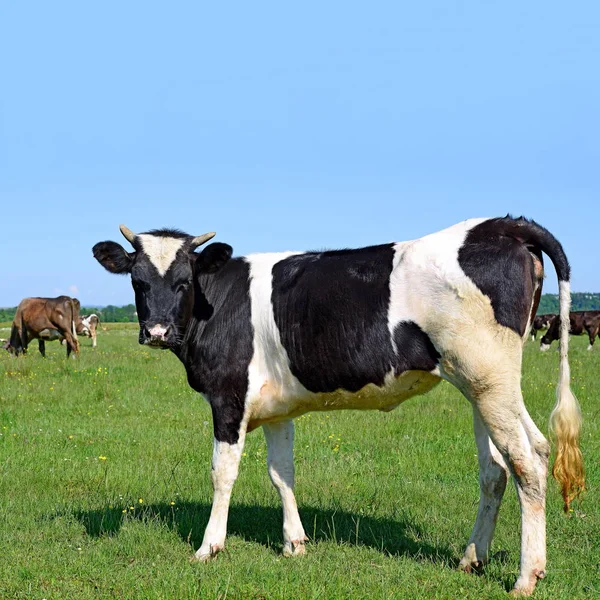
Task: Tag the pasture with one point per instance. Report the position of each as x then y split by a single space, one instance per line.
105 489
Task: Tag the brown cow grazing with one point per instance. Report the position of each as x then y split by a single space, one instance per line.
88 327
541 322
581 321
45 319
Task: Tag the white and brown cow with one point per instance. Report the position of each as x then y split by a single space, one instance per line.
267 337
88 327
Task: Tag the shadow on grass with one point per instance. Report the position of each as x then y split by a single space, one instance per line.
263 524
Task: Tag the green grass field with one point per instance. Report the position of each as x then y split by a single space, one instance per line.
105 475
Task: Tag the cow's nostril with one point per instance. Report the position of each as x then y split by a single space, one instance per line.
158 331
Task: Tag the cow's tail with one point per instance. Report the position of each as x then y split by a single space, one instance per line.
73 326
565 420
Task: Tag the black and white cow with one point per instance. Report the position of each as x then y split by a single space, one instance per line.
580 322
541 323
267 337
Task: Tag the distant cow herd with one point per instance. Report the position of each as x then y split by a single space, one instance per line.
580 322
48 319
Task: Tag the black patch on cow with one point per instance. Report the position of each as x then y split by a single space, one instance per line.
331 309
217 347
502 268
496 255
414 348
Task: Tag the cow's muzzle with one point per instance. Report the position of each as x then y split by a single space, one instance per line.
157 335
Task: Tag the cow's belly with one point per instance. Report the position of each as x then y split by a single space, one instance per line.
49 335
273 404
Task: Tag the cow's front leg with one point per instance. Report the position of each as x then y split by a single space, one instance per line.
280 450
225 464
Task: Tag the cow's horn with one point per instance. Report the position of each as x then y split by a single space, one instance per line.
129 235
202 239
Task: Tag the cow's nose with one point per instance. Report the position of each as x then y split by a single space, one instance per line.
158 332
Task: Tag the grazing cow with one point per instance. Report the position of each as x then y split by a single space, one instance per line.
580 321
45 319
541 322
268 337
88 327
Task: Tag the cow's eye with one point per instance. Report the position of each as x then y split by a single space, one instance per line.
140 286
183 287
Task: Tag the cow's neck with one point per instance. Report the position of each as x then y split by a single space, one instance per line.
221 300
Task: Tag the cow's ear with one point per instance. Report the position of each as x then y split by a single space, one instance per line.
113 257
213 257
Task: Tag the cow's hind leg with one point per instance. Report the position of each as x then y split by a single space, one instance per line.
225 465
493 475
42 347
280 448
592 332
525 451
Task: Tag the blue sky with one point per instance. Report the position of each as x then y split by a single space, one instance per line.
280 126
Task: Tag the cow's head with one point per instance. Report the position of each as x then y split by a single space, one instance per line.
82 327
164 268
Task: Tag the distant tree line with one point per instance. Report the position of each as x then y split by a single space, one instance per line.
127 314
107 314
579 301
113 314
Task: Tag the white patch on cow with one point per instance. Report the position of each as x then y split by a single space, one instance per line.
427 278
269 362
544 347
161 251
590 347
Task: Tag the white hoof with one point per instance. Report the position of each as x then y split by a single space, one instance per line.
294 548
469 563
205 554
525 585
